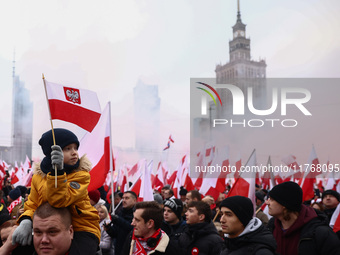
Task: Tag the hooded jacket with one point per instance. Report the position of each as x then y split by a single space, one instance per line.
201 238
71 192
310 234
255 239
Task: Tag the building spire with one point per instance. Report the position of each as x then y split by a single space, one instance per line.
13 72
238 11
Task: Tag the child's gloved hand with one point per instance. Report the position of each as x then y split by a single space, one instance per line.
57 157
23 233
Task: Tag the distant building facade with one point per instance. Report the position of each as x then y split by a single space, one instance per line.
147 117
22 124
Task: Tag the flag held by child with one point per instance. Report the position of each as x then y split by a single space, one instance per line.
78 106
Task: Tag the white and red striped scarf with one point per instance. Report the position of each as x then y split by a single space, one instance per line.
141 247
14 203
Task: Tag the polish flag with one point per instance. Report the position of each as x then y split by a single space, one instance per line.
146 192
78 106
294 168
172 178
307 183
246 186
96 145
335 220
2 169
213 186
135 187
158 180
14 177
176 187
238 165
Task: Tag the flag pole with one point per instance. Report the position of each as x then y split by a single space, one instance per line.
111 164
54 143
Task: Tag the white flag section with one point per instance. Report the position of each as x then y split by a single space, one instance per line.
96 145
146 192
78 106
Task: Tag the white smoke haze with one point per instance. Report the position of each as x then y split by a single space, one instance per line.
110 45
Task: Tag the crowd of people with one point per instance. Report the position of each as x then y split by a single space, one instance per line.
57 215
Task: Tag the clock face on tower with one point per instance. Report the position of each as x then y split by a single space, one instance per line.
239 33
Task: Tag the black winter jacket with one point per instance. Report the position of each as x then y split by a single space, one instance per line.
201 239
259 242
120 227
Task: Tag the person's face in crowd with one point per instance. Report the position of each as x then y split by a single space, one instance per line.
101 213
230 223
128 201
330 201
317 206
274 208
193 217
169 216
4 233
117 200
220 198
141 228
51 236
167 194
71 154
188 198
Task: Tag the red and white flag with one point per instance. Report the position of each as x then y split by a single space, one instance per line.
78 106
158 180
96 145
246 186
146 192
307 183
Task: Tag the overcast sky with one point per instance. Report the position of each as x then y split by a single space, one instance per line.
108 45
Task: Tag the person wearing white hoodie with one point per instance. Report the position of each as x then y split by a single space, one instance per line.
244 234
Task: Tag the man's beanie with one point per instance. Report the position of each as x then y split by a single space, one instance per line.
63 137
242 207
158 198
175 205
259 195
288 194
14 193
94 195
182 191
331 192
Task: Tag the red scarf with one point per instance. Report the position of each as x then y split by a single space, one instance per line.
141 246
14 203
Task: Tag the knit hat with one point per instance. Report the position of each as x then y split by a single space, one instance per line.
175 205
182 191
63 137
242 207
94 195
23 190
331 192
288 194
158 198
259 195
14 193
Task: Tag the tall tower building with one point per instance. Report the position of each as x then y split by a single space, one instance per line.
147 116
241 70
22 121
